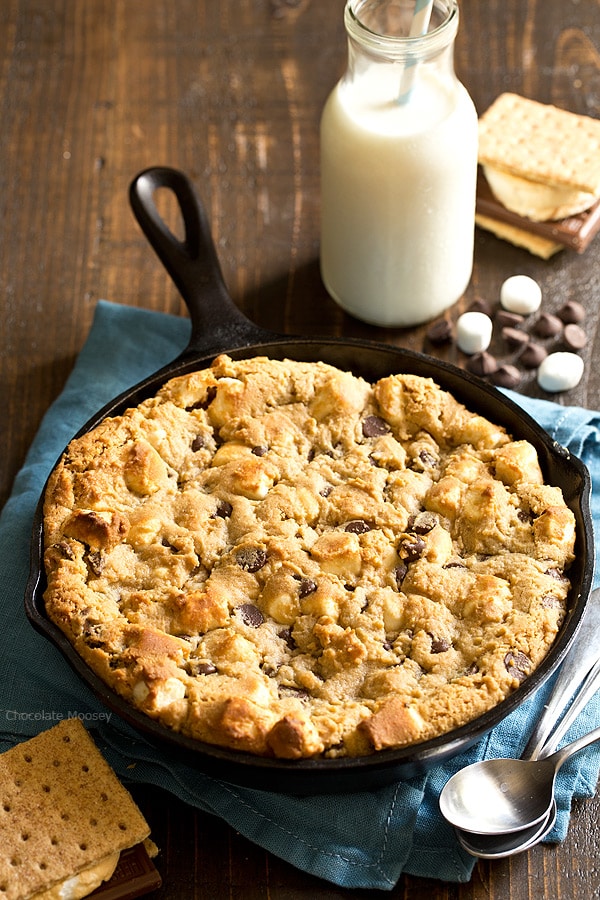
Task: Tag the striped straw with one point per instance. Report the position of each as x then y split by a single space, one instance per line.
418 27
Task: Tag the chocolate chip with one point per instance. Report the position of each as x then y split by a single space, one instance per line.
571 312
532 355
411 548
307 586
65 549
198 442
514 337
358 526
440 332
556 574
224 509
400 574
251 559
211 393
96 561
517 665
260 450
506 376
251 615
547 326
482 363
290 690
92 629
507 319
286 636
439 645
426 458
374 426
95 644
574 337
325 492
423 522
203 668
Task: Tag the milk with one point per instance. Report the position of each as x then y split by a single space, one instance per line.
398 194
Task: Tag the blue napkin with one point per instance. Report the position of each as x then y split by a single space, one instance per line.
364 840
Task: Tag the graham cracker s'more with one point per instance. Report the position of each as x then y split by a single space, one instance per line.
540 175
541 143
64 817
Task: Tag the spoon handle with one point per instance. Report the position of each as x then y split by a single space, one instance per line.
582 697
577 664
561 756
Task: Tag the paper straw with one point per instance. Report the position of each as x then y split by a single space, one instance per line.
418 27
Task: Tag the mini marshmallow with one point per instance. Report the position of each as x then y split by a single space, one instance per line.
521 294
560 372
473 332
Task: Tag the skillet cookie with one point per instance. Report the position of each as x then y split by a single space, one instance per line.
281 558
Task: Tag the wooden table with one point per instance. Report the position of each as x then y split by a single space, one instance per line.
231 92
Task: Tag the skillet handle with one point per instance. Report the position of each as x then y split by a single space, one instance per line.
217 323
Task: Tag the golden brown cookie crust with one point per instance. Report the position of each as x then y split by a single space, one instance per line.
278 557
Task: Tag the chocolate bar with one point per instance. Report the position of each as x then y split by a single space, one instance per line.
134 876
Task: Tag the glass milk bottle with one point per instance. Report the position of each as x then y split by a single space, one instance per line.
398 166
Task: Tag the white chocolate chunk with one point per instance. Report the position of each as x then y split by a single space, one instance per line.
560 372
172 690
521 294
473 332
140 691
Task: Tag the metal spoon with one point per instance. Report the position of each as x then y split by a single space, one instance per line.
507 794
497 846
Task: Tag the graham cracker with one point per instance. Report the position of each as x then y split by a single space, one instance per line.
536 245
62 809
541 142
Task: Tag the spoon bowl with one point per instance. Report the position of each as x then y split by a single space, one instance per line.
495 796
498 846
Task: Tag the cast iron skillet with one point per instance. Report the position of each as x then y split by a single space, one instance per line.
217 326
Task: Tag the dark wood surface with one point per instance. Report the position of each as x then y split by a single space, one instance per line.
231 92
